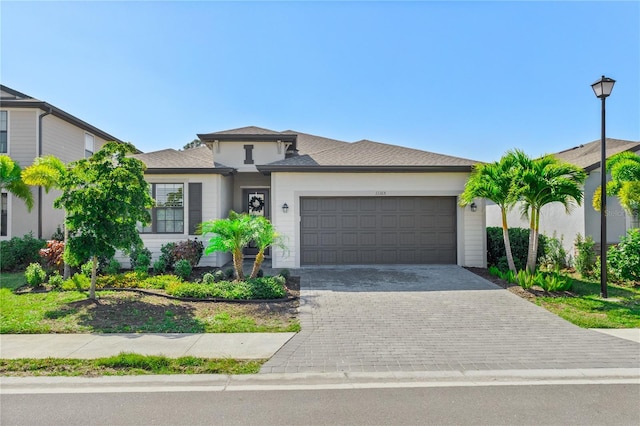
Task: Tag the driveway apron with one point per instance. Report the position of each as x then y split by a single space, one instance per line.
429 318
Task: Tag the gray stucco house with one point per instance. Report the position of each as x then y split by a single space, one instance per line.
334 202
583 219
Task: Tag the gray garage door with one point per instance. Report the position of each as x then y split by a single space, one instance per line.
377 230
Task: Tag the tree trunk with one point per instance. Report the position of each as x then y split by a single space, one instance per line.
237 264
94 272
507 242
257 263
532 254
67 268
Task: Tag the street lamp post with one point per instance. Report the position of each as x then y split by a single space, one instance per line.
602 88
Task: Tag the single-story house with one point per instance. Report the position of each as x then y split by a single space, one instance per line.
334 202
583 219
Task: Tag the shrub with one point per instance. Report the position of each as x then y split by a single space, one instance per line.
53 255
218 275
87 268
189 250
127 280
285 273
142 263
495 271
208 278
554 281
183 268
555 255
78 282
624 259
58 235
159 266
257 288
113 267
17 253
56 281
35 275
134 254
167 255
229 273
585 255
519 239
524 279
160 282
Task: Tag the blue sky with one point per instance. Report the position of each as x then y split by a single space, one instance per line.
470 79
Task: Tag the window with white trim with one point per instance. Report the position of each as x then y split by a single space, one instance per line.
4 128
89 145
167 217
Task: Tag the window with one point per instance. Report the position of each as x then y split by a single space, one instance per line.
88 145
4 127
167 217
4 204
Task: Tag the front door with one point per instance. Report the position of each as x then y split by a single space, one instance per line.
256 203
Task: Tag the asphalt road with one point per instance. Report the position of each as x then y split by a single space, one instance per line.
564 404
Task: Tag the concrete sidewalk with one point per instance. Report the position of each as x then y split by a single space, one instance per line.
87 346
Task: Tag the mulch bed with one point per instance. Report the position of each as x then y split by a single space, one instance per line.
530 294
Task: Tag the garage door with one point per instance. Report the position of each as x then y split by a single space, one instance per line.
377 230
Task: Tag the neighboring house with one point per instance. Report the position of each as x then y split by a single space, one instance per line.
584 219
334 202
30 128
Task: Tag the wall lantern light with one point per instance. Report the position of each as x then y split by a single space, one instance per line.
285 208
473 207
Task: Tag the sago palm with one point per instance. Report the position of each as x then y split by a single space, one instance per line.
495 182
543 181
11 180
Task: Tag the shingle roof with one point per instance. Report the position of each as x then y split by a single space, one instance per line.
588 155
194 159
20 100
309 144
369 153
249 130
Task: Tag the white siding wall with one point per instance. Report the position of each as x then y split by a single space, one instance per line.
233 154
289 187
210 209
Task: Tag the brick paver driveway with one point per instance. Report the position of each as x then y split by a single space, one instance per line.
425 318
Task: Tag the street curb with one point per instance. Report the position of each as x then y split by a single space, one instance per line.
308 381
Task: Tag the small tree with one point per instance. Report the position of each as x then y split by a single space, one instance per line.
230 235
495 182
105 197
11 180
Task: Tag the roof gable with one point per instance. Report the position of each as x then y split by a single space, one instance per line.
588 156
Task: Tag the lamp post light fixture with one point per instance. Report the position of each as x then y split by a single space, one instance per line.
602 89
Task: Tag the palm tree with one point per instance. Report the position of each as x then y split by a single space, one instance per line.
48 172
495 182
11 180
265 236
543 181
625 183
231 234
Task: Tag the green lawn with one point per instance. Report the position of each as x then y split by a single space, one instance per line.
128 312
589 310
126 364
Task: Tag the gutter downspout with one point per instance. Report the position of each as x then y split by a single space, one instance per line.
40 117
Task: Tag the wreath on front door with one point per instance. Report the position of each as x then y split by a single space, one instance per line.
256 204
